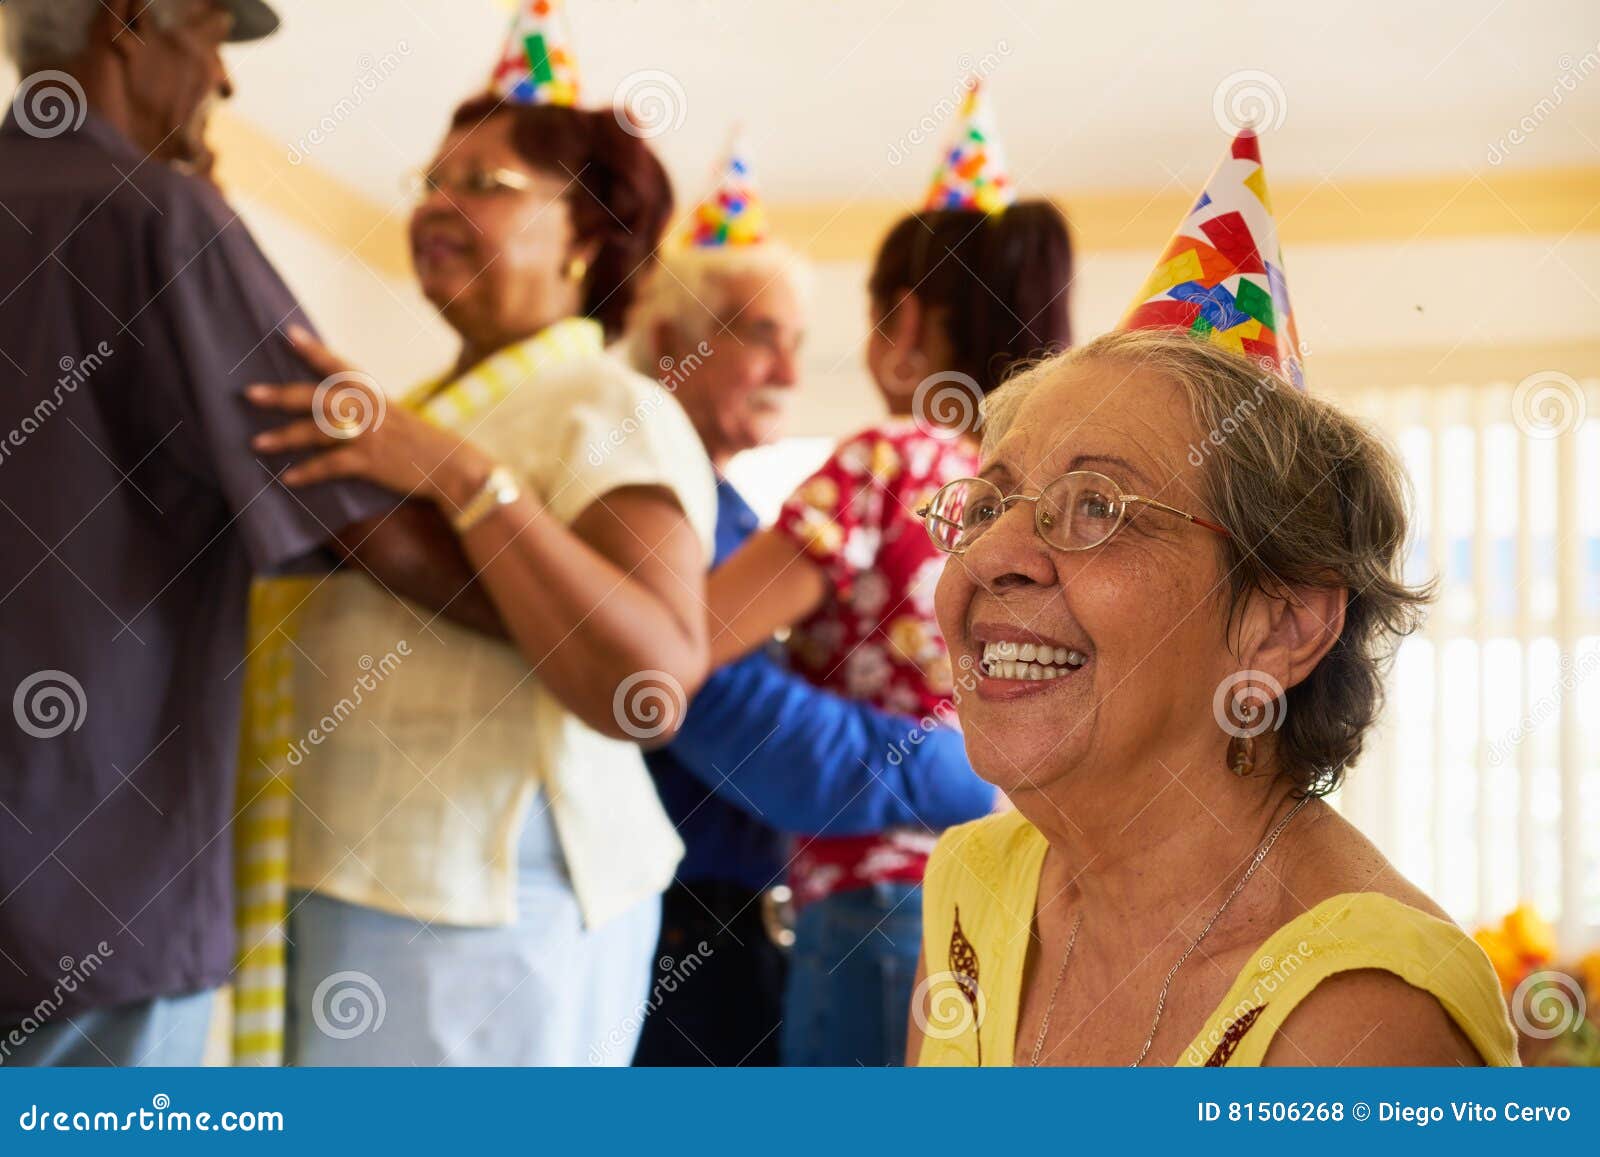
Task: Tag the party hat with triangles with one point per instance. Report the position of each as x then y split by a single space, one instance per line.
536 66
732 213
1222 275
972 172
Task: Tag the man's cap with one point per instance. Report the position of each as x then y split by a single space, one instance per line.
252 19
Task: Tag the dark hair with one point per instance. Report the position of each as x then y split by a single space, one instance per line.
620 196
998 281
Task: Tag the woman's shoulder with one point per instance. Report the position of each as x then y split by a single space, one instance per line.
599 375
1368 979
1364 968
1332 857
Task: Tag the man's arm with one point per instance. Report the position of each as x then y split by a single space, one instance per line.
413 552
218 309
806 761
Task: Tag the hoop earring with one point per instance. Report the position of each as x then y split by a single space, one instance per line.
577 269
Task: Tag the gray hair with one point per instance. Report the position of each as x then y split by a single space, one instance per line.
1313 498
689 288
42 33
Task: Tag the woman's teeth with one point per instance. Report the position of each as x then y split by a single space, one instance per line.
1029 661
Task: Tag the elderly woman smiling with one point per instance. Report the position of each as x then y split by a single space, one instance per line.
1176 664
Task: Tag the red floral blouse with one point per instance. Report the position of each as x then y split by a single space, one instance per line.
876 639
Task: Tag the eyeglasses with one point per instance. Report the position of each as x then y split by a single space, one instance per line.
475 183
1078 511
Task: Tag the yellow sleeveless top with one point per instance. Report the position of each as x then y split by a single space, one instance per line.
978 903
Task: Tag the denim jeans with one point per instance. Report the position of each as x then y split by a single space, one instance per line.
851 975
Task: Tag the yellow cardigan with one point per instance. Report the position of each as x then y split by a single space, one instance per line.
983 879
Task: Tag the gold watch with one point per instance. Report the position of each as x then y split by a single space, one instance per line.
499 489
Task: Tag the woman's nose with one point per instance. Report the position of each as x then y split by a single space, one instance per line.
1011 553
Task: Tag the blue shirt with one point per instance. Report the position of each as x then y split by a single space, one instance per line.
764 754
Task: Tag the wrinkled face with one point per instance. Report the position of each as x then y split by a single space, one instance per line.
175 78
1143 612
492 258
738 394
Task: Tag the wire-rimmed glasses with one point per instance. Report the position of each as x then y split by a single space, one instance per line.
1078 511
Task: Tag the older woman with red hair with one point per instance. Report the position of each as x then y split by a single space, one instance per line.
482 851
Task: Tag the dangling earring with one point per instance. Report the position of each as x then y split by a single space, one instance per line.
577 269
1242 748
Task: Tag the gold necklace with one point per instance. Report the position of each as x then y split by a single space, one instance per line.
1161 1001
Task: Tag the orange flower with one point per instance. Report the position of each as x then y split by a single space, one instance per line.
1503 955
1530 934
1589 969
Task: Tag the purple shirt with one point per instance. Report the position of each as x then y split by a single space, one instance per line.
134 308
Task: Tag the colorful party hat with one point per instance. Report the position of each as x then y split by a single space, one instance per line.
972 173
536 65
1221 275
732 213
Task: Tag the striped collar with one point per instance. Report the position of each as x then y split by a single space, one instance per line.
452 402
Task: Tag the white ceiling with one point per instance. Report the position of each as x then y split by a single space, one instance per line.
1111 95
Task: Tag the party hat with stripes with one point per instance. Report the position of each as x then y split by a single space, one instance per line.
972 172
536 66
1221 275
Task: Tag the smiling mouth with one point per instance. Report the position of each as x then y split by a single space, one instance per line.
1029 662
433 250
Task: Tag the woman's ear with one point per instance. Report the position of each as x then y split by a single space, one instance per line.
905 327
1286 633
905 324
